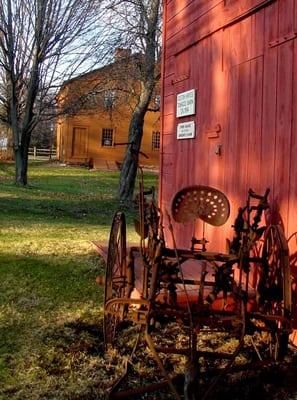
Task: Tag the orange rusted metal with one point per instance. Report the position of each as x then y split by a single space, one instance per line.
245 290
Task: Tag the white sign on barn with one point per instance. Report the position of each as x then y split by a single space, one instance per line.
186 130
185 103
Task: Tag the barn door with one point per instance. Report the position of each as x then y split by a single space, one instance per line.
243 144
233 136
79 142
212 111
215 130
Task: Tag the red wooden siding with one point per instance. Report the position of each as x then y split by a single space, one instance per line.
241 58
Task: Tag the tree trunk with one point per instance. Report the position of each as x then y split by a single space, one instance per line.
21 166
21 157
130 164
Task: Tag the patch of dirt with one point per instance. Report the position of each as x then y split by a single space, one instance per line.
249 379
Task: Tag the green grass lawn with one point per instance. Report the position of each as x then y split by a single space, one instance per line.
51 344
51 309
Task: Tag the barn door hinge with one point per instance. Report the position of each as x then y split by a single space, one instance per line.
283 39
213 132
180 78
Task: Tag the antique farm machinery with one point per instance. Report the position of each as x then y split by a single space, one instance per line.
245 291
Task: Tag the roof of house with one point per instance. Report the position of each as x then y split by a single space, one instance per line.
120 61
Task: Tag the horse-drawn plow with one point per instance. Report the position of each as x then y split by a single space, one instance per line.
244 293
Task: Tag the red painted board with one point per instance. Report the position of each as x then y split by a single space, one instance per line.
271 23
292 221
186 15
283 130
255 131
269 100
243 128
193 28
286 17
258 33
245 48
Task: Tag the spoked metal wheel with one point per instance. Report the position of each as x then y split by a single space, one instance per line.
115 276
275 290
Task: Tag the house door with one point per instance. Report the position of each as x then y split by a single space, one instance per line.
79 142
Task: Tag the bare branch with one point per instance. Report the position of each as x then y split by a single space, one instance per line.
42 43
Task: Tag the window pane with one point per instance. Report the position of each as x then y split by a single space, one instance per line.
109 98
107 137
156 140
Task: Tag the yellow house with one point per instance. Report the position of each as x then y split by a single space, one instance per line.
5 143
95 111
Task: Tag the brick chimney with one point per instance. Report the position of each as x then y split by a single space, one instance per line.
121 53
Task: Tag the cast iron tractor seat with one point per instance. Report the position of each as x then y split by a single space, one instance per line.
204 202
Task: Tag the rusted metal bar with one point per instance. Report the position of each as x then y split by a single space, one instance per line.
132 393
153 387
151 346
231 361
186 352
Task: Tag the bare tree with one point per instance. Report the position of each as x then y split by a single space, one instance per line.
42 43
100 89
139 27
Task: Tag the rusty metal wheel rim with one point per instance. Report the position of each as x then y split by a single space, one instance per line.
115 274
275 287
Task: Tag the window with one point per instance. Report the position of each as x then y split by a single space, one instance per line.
109 98
3 143
155 140
157 101
107 137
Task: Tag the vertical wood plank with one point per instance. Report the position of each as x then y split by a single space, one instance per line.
254 142
269 99
217 113
243 129
226 50
245 39
216 116
204 104
271 23
292 222
295 16
258 33
232 141
283 130
286 17
234 50
192 160
169 105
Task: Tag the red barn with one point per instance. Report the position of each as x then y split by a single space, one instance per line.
229 116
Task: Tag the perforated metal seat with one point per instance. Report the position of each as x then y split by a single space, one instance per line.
204 202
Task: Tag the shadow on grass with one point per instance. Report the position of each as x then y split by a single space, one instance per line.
64 361
67 195
48 278
50 320
79 336
71 180
93 212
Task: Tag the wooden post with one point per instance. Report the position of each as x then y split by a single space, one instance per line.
34 152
